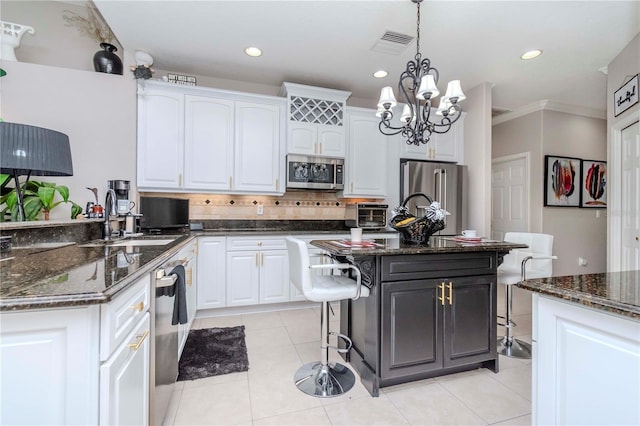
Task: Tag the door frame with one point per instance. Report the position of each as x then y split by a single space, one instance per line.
527 162
614 203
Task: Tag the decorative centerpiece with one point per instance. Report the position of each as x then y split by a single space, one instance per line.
95 27
10 38
417 230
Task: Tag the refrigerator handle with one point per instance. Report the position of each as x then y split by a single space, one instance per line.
437 185
444 193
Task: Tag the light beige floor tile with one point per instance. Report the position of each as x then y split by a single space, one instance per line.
518 421
304 332
311 416
310 352
508 362
262 320
488 398
219 404
277 358
432 404
274 394
523 326
455 376
299 316
172 410
408 385
267 338
517 378
215 380
228 321
365 411
357 391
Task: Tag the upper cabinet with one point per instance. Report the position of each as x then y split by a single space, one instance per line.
315 120
442 147
366 160
192 138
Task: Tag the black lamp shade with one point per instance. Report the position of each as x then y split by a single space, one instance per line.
28 149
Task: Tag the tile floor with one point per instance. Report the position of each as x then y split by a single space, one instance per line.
280 342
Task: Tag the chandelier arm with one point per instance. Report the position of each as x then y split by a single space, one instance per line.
392 130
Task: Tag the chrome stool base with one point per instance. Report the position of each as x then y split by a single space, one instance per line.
324 381
515 348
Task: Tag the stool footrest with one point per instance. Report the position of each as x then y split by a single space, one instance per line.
347 341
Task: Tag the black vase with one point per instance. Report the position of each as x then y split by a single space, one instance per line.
107 61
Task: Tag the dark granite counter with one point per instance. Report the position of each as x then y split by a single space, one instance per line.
394 246
615 292
72 275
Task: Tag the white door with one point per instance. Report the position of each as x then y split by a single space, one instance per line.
208 147
274 276
257 148
302 138
366 163
211 272
630 200
331 140
509 195
243 275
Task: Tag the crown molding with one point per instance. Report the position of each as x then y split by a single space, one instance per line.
549 106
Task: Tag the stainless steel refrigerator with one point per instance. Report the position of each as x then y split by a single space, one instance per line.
444 182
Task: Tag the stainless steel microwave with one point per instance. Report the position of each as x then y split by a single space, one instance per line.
320 173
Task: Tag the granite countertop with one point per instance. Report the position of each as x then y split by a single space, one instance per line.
615 292
45 276
394 246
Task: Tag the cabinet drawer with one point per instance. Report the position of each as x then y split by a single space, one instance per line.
256 243
119 317
411 267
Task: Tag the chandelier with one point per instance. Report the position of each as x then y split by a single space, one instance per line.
417 87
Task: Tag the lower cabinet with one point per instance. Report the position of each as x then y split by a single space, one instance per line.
257 276
434 324
188 258
86 365
211 276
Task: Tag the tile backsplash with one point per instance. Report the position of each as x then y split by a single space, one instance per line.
294 205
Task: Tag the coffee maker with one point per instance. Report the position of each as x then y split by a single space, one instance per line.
121 189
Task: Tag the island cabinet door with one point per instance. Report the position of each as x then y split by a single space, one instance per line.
411 328
469 320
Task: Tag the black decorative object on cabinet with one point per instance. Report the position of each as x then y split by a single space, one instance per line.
106 61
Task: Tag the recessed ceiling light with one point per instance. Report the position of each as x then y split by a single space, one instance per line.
530 54
253 51
380 74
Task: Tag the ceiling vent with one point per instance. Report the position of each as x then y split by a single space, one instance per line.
392 43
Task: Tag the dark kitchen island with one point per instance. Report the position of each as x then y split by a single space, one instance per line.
431 310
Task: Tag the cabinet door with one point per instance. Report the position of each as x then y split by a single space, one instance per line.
211 273
243 277
302 138
470 320
366 162
331 140
160 139
449 146
257 148
124 380
49 366
274 276
411 341
208 143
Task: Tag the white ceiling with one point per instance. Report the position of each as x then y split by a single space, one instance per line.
328 43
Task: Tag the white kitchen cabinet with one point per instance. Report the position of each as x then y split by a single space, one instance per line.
257 271
124 380
160 138
257 148
447 147
208 142
316 120
49 360
586 365
211 276
366 160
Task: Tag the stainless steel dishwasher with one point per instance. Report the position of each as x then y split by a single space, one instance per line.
164 358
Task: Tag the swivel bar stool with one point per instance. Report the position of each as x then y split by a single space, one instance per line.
321 378
519 265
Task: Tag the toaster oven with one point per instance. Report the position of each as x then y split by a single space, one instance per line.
366 215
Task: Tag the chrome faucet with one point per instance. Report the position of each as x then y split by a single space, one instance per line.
109 210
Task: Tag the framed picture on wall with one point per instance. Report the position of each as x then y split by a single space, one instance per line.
593 185
561 181
626 96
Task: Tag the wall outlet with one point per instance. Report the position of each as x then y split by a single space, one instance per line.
260 209
582 261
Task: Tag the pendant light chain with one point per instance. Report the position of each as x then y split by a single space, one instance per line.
418 55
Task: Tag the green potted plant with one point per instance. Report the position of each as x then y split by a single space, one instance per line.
37 197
